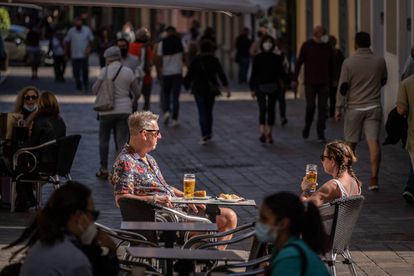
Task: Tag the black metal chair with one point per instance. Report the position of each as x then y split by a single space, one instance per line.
340 218
27 167
140 210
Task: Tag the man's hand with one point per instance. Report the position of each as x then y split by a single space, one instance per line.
226 88
253 94
338 115
163 200
294 85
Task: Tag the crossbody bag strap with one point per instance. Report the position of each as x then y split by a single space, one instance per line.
303 259
117 73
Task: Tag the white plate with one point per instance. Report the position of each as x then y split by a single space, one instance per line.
229 200
201 198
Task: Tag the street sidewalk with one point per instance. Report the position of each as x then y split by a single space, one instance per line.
236 162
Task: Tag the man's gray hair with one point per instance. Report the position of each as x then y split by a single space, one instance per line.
140 120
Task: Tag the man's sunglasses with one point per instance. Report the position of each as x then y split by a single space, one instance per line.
28 98
323 157
156 131
94 214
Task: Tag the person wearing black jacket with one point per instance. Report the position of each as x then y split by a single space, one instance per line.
202 79
266 82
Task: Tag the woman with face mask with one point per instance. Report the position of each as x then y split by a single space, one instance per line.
266 82
26 101
63 239
296 232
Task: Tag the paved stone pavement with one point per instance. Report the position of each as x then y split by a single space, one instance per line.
236 162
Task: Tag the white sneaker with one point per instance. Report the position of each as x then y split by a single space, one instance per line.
175 123
166 117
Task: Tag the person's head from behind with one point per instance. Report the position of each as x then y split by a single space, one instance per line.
112 54
206 46
267 44
27 98
246 31
337 158
48 104
209 32
362 40
144 130
143 34
171 31
69 209
283 215
123 46
333 41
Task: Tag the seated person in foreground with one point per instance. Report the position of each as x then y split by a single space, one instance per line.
136 174
337 160
294 229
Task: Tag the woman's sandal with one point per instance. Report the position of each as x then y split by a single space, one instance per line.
102 174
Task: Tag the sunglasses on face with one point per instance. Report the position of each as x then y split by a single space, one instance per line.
93 213
323 157
156 131
28 98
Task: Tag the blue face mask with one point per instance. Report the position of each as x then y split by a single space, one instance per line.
264 233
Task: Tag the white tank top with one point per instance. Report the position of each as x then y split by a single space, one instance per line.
341 187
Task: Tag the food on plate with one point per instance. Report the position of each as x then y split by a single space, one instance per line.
229 196
200 193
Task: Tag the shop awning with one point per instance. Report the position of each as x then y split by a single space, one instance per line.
227 6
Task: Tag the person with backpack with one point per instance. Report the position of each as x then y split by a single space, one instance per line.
296 232
119 83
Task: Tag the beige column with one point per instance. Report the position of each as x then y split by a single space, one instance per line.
364 16
317 12
220 35
300 23
226 44
352 18
210 22
334 18
203 20
145 17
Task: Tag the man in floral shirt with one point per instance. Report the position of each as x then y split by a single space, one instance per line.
136 174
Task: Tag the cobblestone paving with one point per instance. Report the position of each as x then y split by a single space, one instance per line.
236 162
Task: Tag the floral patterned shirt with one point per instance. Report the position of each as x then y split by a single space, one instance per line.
131 175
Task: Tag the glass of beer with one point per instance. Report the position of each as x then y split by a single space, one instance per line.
312 176
189 185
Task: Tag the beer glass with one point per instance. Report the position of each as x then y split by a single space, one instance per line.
312 176
189 185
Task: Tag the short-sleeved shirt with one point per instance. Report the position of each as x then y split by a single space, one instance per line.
288 260
79 41
172 63
406 100
131 175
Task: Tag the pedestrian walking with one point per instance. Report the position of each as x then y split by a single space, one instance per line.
170 59
267 85
202 79
360 82
144 50
405 106
105 40
78 40
57 47
33 50
338 57
243 43
125 90
317 57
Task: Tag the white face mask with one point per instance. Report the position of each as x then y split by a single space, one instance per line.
30 108
325 39
267 46
89 234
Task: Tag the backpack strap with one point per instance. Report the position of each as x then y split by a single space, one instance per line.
117 73
303 259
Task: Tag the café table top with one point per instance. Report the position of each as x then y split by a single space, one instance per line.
168 226
213 201
183 254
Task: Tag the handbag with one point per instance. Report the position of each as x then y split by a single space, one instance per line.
104 100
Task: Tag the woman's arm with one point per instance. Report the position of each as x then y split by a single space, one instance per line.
327 193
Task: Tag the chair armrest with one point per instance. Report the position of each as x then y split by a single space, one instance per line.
28 150
227 242
198 238
249 263
185 216
150 270
125 235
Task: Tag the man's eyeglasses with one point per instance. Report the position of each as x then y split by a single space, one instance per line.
156 131
94 214
323 157
28 98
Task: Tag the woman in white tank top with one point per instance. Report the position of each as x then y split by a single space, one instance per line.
337 160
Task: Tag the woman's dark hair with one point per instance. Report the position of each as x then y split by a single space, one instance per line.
270 39
49 224
206 46
363 40
344 157
48 104
303 221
